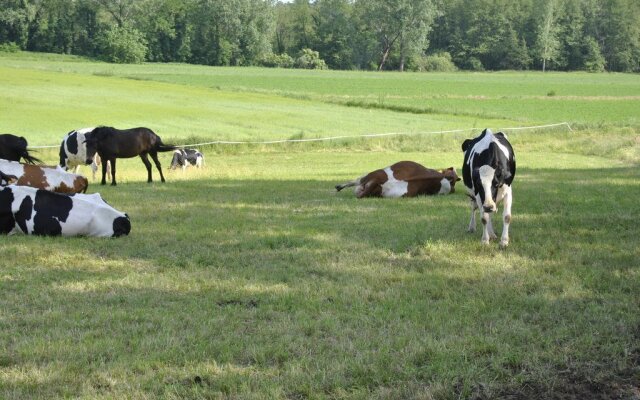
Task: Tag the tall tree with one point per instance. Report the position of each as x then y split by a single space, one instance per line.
231 32
398 23
303 24
548 43
335 33
620 34
122 11
167 29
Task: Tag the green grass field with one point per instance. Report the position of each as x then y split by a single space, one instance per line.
252 278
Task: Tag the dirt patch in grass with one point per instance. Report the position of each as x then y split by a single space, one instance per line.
572 387
575 384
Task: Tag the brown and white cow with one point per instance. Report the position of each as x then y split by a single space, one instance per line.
47 178
404 179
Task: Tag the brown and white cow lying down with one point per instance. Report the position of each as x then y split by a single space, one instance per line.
47 178
33 211
404 179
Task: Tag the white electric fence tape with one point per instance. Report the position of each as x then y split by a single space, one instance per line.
372 135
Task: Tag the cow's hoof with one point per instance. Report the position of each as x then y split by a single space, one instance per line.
114 184
338 188
504 244
471 230
493 236
485 242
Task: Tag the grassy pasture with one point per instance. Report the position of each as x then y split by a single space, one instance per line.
252 278
469 99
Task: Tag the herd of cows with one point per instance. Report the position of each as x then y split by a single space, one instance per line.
40 200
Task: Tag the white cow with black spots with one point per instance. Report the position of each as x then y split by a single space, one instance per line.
488 171
73 152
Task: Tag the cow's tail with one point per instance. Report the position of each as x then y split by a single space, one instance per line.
29 158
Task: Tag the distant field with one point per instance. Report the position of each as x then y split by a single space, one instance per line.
210 102
252 278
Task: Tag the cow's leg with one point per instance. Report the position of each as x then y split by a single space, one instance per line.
472 222
370 189
154 155
506 217
486 222
94 169
492 233
347 184
147 164
113 171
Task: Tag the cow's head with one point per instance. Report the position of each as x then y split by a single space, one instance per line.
451 175
486 186
488 180
107 221
179 159
121 226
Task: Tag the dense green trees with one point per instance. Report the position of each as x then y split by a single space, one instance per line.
591 35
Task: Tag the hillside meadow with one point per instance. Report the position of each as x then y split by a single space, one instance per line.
252 278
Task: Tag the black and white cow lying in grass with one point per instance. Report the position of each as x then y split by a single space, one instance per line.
39 212
184 157
488 171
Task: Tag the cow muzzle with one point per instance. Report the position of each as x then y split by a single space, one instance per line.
489 208
489 205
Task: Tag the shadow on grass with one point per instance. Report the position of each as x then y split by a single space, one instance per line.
330 293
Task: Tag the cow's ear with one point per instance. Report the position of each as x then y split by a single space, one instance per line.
465 144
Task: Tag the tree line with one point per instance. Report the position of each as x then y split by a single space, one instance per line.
435 35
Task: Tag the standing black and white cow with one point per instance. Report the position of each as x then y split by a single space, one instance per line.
73 149
73 152
184 157
39 212
488 171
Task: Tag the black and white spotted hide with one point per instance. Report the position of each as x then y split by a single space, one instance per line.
488 171
39 212
185 157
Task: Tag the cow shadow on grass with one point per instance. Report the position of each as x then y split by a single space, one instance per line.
264 276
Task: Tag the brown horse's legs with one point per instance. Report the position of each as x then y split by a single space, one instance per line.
113 171
104 171
154 155
145 160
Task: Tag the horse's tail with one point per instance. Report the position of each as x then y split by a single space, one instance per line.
165 147
29 158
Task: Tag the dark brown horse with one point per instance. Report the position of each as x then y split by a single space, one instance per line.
111 143
14 147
